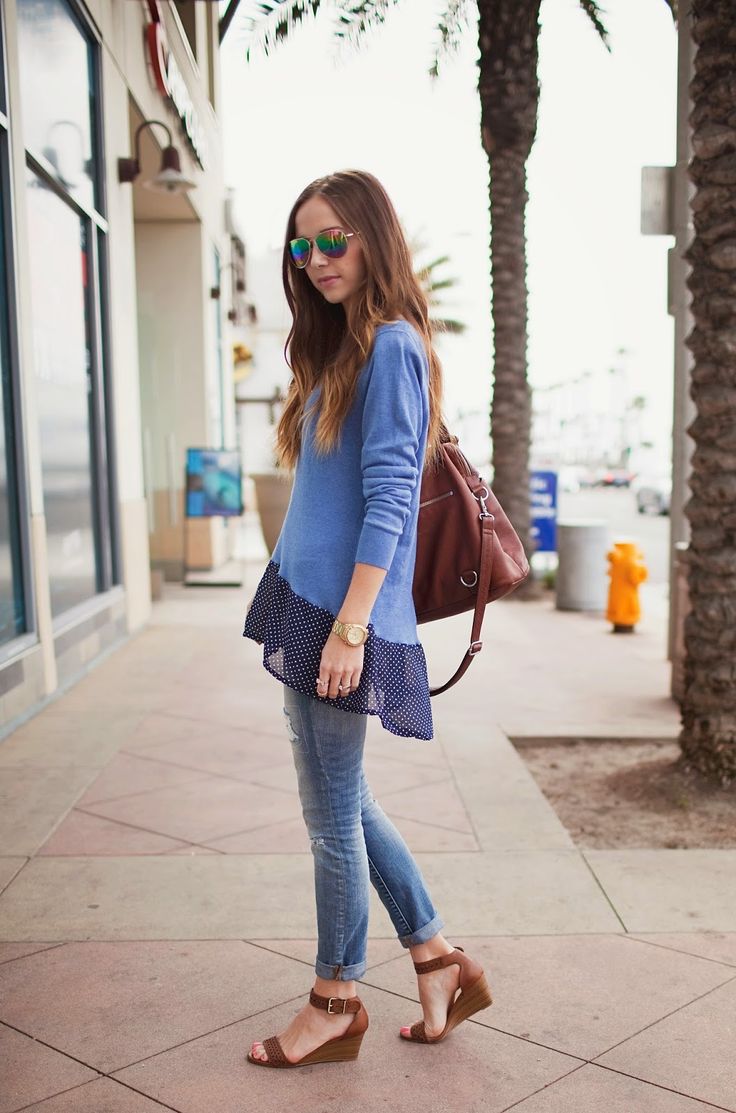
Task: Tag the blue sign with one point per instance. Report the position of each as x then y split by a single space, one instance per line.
214 488
543 489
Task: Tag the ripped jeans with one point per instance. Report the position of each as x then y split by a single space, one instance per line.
353 841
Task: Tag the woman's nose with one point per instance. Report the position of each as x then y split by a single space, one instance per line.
317 258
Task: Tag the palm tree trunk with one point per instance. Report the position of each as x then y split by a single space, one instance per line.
508 32
708 736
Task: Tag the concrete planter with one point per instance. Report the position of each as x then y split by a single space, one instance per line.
273 491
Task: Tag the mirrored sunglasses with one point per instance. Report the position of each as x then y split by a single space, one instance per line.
333 243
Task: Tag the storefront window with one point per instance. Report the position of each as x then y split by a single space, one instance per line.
12 608
59 266
58 93
12 599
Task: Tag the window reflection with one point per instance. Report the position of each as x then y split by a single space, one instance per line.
57 93
59 268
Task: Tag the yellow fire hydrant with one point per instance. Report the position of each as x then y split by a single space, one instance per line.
627 570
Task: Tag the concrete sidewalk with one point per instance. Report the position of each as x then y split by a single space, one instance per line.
157 906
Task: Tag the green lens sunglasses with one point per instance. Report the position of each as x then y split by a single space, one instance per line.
332 242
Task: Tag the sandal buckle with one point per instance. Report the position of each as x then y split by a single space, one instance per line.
336 1011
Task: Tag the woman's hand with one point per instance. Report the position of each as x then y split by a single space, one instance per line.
340 664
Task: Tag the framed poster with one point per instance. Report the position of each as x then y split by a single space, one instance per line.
214 487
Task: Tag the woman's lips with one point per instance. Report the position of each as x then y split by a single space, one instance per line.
329 279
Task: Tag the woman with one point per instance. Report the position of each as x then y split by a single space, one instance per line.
334 608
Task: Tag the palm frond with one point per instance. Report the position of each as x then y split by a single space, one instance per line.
435 262
447 324
269 22
451 26
356 17
593 11
442 284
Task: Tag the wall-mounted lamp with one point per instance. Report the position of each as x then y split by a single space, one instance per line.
169 178
215 291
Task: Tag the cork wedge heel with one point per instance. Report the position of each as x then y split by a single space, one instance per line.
474 995
335 1050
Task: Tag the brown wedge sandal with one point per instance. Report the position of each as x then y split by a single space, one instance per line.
337 1049
474 994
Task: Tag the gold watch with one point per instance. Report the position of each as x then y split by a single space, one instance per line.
352 633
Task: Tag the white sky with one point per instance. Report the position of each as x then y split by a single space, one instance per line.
595 283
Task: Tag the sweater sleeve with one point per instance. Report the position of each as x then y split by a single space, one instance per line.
392 423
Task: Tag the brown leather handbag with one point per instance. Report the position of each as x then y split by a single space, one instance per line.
468 553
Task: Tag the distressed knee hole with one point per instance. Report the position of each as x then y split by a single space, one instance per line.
293 736
317 841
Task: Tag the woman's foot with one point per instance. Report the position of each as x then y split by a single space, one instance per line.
437 989
309 1028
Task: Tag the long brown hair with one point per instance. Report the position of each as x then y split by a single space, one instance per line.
328 343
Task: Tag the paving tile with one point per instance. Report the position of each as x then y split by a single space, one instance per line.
438 801
669 890
158 730
9 867
222 750
579 994
517 892
9 951
61 736
717 945
410 751
205 896
489 1069
287 837
197 811
127 774
84 834
691 1051
111 1004
504 802
234 707
385 775
233 896
425 837
104 1095
30 1071
590 1088
33 799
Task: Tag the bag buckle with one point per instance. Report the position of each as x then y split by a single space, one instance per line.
472 650
334 1011
485 512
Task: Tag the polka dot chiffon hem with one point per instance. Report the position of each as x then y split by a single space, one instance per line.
393 684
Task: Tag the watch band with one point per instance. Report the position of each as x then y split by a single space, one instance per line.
342 629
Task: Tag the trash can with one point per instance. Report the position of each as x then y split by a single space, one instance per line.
581 582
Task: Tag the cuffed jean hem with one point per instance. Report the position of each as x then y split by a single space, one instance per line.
423 934
340 973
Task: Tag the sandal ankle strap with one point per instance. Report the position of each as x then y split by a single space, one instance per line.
334 1004
436 963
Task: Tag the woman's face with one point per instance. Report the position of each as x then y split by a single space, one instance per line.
338 280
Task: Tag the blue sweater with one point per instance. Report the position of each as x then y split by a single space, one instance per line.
360 502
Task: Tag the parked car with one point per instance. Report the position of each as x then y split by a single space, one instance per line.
653 493
614 477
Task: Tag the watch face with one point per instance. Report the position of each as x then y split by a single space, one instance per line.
355 637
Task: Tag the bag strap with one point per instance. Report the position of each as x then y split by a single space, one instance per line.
488 541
